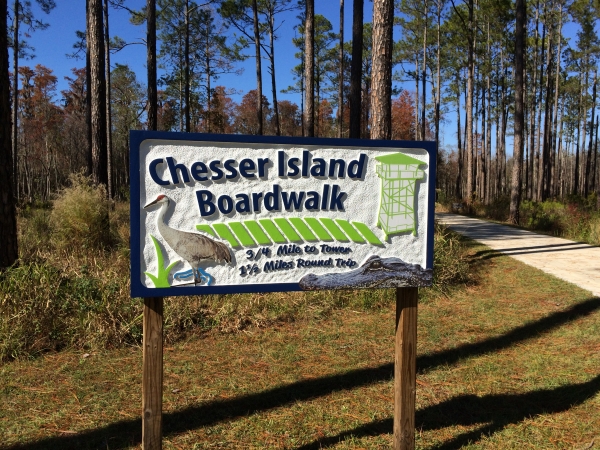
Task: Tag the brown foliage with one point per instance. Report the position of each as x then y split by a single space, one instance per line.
246 121
403 117
219 118
290 120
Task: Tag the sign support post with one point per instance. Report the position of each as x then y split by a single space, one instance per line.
405 368
152 377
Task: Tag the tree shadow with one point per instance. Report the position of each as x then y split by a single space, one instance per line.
519 334
127 433
489 254
492 412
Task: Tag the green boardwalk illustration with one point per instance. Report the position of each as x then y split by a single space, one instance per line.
398 173
296 229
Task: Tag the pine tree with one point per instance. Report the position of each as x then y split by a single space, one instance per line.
520 49
8 220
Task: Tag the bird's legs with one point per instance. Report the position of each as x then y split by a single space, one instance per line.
203 276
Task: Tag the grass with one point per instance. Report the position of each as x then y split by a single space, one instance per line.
77 296
511 361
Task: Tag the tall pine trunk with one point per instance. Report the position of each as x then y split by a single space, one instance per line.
8 218
309 69
460 156
15 100
554 149
544 184
438 82
424 73
530 172
381 93
561 156
538 147
488 134
356 68
469 106
272 62
520 48
108 113
501 157
186 66
595 171
259 102
575 184
98 92
589 182
151 64
88 93
417 101
340 110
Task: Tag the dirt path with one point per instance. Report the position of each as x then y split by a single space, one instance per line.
571 261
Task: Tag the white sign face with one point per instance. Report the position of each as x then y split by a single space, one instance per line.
223 214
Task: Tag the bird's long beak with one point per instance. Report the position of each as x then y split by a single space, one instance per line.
150 204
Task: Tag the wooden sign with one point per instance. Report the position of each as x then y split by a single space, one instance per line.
225 213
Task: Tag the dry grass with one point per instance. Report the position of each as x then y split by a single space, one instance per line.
77 295
510 362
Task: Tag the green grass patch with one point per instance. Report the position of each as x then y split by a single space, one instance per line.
508 361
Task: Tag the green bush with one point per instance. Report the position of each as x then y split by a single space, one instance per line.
594 236
79 218
450 260
499 208
546 216
34 229
59 297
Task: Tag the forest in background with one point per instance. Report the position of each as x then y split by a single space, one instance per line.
66 283
452 63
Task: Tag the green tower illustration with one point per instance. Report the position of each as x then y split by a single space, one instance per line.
398 173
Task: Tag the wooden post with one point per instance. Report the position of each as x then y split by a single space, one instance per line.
152 378
405 368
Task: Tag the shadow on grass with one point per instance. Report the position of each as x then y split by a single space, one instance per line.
494 412
127 433
518 334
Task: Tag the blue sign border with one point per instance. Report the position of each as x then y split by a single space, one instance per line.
135 141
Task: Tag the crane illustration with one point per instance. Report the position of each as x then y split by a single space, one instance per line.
194 248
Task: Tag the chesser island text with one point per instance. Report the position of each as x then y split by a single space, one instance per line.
331 196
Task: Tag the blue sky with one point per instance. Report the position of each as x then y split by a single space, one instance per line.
52 45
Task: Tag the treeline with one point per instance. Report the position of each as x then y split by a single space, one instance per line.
559 84
197 44
51 135
452 62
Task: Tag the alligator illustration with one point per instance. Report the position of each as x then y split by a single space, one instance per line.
376 272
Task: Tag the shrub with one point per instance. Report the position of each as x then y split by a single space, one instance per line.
44 307
119 226
575 223
450 261
594 236
499 208
61 298
545 216
79 218
34 229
